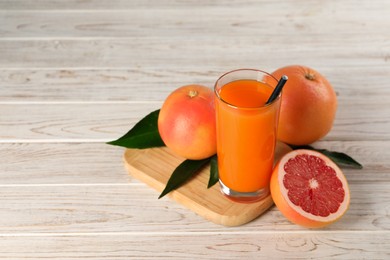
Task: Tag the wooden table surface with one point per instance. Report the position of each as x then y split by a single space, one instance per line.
75 74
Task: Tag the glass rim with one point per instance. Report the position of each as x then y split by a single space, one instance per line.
246 108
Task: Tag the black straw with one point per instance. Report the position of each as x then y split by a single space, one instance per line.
277 89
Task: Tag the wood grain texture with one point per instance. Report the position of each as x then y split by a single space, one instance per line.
94 5
355 120
107 85
115 4
71 121
62 164
68 163
253 245
182 52
194 22
35 210
155 83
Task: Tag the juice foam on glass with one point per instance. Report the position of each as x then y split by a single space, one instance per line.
246 133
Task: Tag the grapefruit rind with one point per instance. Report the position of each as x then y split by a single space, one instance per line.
186 122
295 213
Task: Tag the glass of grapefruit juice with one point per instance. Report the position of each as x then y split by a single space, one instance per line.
246 133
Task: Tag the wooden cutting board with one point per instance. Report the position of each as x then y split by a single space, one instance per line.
155 166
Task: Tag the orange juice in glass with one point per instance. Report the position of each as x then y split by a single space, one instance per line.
246 133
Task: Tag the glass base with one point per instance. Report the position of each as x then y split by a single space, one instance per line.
244 197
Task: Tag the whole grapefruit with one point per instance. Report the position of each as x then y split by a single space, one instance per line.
309 189
186 122
308 106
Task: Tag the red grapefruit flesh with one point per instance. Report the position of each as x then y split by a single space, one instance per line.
309 189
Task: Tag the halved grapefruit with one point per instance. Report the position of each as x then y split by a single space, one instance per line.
309 189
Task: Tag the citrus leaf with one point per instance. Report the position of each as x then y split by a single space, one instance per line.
341 159
143 135
214 176
182 173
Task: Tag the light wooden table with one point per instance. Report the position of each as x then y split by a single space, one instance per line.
74 74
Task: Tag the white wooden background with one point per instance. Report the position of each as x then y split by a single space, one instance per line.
74 74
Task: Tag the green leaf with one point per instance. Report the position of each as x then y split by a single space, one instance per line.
341 159
182 173
214 175
143 135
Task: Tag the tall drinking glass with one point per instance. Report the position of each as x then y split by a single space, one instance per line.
246 133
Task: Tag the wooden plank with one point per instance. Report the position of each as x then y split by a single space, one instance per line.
183 52
136 84
155 83
162 22
70 163
116 4
61 164
70 122
202 245
35 209
188 4
355 120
